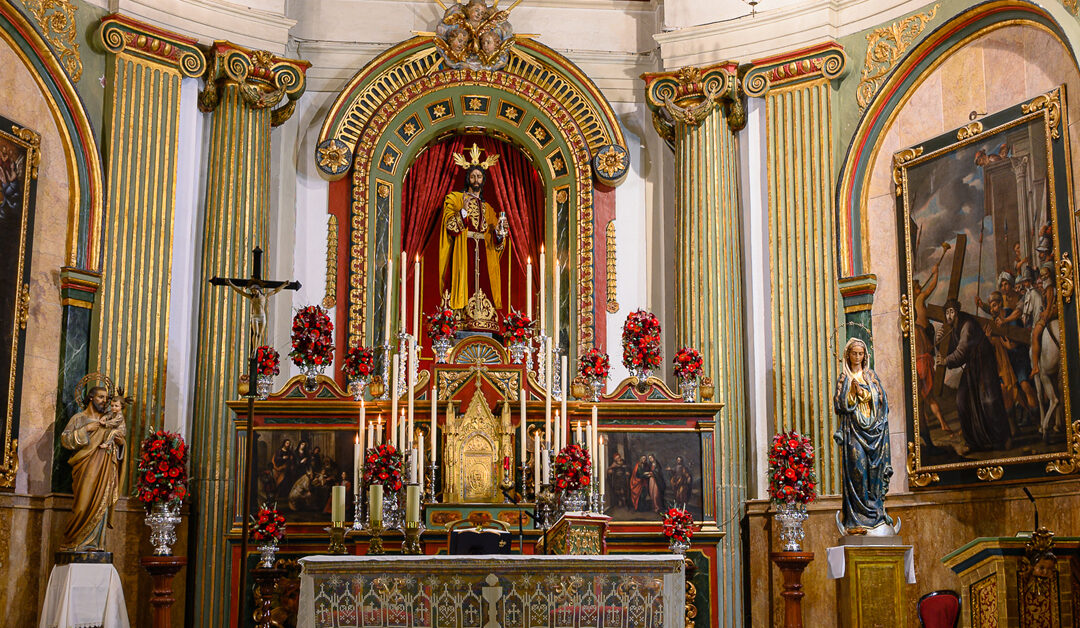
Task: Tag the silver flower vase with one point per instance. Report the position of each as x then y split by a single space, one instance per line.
574 501
263 385
517 352
688 386
596 388
678 547
357 386
791 517
442 346
311 373
268 554
162 520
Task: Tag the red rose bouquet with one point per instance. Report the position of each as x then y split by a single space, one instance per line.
791 469
688 363
442 324
359 362
641 341
517 327
162 470
572 468
383 465
679 524
312 338
594 364
268 526
267 361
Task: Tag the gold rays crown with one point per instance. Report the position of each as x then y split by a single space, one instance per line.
474 159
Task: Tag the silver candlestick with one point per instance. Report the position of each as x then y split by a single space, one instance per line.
358 509
385 371
429 491
557 374
404 342
525 484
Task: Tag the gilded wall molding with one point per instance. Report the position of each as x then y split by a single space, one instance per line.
261 78
609 240
330 299
824 60
56 20
123 35
884 48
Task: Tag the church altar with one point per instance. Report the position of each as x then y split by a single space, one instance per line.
638 591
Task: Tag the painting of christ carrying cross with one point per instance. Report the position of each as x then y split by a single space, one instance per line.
985 229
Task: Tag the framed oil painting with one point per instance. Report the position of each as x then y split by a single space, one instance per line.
651 470
987 306
296 468
19 158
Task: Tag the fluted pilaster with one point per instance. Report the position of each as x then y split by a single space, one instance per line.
248 92
142 100
805 299
697 110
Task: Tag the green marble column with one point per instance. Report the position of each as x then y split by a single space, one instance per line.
697 110
248 92
142 113
806 316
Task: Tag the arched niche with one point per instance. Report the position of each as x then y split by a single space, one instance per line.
405 99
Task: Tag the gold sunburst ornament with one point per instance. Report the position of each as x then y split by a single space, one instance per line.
474 159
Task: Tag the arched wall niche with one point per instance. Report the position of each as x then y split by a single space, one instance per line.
405 99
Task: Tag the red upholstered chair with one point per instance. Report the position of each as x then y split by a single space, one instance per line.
939 609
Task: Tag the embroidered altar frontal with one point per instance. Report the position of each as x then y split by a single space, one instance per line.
626 591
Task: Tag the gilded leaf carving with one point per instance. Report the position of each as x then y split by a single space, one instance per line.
884 48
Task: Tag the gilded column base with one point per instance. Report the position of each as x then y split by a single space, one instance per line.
873 591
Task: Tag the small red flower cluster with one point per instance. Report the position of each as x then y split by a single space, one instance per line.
641 341
442 324
594 363
312 337
359 362
383 465
162 471
268 525
267 361
679 524
791 469
517 327
688 363
572 468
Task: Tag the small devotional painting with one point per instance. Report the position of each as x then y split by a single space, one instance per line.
987 307
19 158
296 469
650 471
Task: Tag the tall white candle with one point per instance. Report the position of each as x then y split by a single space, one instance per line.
562 402
416 298
389 296
420 461
536 462
594 450
578 438
524 424
557 442
375 495
433 445
555 304
549 436
414 477
404 269
543 283
603 462
411 379
402 437
337 504
357 460
394 397
363 426
370 436
528 287
547 467
412 504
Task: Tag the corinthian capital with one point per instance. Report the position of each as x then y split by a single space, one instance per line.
688 95
261 78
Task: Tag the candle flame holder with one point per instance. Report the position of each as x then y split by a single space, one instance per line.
337 538
375 543
411 544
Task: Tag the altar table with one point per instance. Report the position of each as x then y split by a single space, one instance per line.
506 591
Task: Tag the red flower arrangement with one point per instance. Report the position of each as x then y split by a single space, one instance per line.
594 363
641 341
679 524
688 363
312 338
442 324
267 361
517 327
162 470
383 465
791 469
359 362
268 526
572 468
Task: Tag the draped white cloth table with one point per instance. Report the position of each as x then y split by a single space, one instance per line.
84 595
504 591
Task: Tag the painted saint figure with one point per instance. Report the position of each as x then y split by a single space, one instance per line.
863 439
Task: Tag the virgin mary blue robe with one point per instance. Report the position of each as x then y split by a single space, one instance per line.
863 440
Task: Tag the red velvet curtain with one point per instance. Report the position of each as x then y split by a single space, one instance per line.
512 186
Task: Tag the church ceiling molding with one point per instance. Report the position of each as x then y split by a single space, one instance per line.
81 154
919 62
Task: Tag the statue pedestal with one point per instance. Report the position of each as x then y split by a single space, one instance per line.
872 587
81 594
162 569
791 566
579 534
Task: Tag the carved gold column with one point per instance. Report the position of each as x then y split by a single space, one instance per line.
697 110
248 92
805 299
142 113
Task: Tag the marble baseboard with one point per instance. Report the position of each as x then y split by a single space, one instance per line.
32 526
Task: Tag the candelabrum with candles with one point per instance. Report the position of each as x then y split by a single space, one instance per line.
359 508
404 343
557 374
387 350
547 506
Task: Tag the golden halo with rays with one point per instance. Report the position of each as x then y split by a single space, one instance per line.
869 340
97 378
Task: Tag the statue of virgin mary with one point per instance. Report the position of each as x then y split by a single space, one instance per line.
863 439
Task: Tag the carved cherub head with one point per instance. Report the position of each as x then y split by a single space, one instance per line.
489 42
476 11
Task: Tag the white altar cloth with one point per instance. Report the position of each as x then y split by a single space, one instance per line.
837 562
440 591
84 596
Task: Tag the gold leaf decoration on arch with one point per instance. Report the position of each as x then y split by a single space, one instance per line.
56 20
884 48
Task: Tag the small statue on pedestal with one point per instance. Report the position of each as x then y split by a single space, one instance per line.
863 439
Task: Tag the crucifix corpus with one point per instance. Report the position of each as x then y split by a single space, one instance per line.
258 292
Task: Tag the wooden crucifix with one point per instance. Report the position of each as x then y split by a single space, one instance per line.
258 292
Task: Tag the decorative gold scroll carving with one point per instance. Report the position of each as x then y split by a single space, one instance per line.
56 19
905 315
990 474
918 479
969 130
1065 276
884 48
33 149
331 262
609 240
22 307
1065 466
899 159
1051 101
7 471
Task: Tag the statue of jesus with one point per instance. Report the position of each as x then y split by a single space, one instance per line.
468 224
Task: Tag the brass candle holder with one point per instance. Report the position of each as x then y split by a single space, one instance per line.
337 538
411 544
375 544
